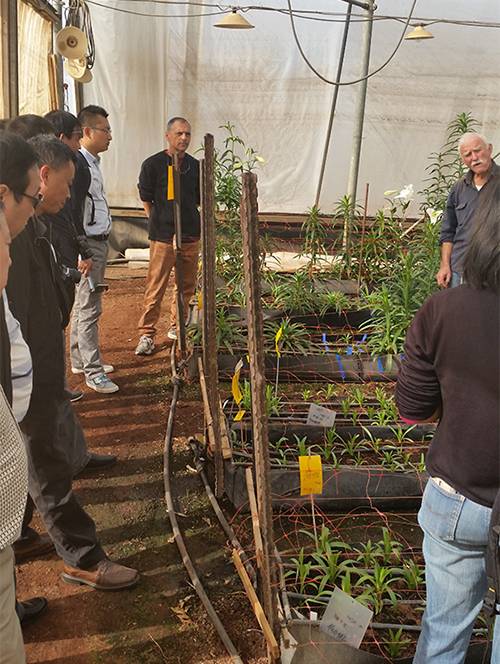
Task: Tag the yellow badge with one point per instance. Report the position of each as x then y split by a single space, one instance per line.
170 183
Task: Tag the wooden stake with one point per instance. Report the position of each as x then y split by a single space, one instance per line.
207 197
255 518
272 644
251 267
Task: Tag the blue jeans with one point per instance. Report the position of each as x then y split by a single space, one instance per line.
456 279
455 537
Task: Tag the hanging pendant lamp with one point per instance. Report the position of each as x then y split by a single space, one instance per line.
234 21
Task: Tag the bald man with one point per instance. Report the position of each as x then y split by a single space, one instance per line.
475 152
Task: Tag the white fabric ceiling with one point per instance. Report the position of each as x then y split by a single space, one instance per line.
148 69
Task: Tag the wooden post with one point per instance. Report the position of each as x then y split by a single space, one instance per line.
251 264
181 305
208 304
363 231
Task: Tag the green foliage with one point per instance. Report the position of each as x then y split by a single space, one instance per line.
273 402
228 333
315 232
294 336
395 643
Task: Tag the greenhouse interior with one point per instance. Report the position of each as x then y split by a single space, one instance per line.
249 332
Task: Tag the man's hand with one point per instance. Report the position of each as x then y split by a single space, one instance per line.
443 277
85 266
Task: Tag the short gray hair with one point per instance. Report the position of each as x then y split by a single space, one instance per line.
175 119
468 135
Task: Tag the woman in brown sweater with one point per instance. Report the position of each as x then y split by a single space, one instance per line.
451 372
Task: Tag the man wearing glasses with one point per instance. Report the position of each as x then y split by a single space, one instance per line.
85 354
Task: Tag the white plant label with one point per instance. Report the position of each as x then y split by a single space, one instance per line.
345 619
320 416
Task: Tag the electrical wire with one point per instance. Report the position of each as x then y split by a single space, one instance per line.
129 11
363 78
77 14
308 14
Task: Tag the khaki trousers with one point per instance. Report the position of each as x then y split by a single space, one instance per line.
11 638
161 262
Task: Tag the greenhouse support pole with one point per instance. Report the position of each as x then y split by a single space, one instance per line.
181 305
208 303
359 117
334 105
251 265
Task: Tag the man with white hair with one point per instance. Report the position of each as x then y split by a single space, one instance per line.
475 152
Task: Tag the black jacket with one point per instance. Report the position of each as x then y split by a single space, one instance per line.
153 189
36 297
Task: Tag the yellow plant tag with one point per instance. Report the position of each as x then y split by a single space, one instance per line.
200 300
239 415
277 338
311 475
170 183
235 383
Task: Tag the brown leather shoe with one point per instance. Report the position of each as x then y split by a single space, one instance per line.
32 547
106 575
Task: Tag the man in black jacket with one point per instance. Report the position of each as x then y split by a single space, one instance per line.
153 186
37 299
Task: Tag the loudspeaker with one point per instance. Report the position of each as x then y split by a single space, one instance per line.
71 43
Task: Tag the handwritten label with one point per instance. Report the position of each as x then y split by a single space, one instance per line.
235 383
320 416
311 475
345 619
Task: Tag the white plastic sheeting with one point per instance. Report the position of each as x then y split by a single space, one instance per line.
148 69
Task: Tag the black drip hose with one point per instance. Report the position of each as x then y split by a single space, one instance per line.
195 579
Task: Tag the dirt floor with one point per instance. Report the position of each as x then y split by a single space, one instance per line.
161 620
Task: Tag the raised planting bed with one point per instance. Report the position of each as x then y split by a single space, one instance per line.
293 367
381 572
382 467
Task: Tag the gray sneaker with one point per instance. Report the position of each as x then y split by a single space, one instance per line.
101 383
172 333
145 346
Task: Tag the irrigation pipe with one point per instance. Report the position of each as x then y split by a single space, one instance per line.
195 579
218 512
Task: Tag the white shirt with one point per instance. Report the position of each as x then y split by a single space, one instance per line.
96 217
21 365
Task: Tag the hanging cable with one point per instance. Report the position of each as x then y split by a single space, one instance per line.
363 78
333 106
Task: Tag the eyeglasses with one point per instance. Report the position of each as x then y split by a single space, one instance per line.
106 131
35 200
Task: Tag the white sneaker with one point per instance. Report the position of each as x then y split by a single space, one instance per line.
101 383
108 368
172 333
145 346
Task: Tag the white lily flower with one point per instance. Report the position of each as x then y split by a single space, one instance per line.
406 194
390 193
434 215
260 159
